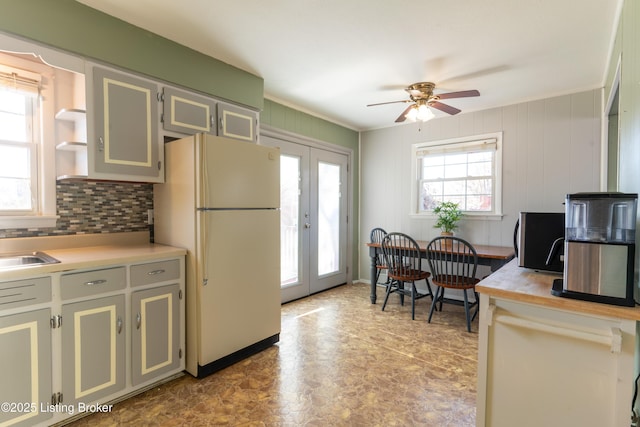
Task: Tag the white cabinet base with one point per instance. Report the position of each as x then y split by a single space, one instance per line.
548 367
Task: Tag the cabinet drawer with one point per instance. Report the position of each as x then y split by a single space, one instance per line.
93 282
19 293
155 272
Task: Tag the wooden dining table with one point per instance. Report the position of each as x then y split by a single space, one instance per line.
489 255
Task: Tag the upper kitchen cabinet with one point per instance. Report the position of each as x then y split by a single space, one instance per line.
187 113
123 142
237 122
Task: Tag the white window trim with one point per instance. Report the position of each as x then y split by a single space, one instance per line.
415 148
45 212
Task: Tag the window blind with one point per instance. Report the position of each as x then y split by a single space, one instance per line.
489 144
19 81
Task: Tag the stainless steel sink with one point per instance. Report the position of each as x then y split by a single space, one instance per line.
8 261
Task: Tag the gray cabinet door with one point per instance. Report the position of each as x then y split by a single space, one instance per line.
237 122
155 342
25 367
125 123
93 349
187 113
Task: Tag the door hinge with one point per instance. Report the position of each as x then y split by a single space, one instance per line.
56 398
180 354
56 321
180 294
159 165
162 118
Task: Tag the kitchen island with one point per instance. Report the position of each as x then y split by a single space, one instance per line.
553 361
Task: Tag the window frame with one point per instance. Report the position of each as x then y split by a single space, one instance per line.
458 143
32 145
43 214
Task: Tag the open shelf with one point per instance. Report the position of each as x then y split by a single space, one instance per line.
71 114
72 146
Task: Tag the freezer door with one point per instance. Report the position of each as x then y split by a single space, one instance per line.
240 304
237 174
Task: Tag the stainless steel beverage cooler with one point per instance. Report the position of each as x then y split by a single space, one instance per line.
599 248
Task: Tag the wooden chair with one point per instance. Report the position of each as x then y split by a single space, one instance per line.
377 235
402 255
453 263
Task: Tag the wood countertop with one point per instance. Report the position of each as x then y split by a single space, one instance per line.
529 286
102 254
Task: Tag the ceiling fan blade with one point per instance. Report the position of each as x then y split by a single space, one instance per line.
461 94
444 107
390 102
403 116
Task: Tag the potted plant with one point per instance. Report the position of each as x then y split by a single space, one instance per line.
448 215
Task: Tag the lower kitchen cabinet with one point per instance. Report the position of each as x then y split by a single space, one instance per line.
540 366
25 367
155 344
81 338
93 349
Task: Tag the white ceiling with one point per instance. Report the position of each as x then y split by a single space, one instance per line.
333 57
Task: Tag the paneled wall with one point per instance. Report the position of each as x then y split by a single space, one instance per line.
551 147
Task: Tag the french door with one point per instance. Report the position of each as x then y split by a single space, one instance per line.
313 226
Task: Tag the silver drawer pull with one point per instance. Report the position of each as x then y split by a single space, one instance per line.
95 282
154 272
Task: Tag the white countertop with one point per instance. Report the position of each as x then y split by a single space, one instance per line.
91 252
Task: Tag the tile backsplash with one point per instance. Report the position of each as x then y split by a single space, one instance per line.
87 207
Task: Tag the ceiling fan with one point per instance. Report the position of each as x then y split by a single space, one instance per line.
421 98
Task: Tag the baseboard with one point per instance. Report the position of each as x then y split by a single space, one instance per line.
237 356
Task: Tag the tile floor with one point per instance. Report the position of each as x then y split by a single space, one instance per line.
340 361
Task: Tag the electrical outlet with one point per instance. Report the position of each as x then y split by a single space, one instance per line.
150 216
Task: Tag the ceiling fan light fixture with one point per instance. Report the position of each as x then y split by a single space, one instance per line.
412 115
424 113
420 111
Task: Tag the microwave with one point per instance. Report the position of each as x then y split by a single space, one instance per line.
533 238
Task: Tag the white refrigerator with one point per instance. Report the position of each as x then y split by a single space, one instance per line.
220 201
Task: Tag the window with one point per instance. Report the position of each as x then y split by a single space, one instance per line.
461 170
27 165
18 145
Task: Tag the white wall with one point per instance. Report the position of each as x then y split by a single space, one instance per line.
628 47
551 147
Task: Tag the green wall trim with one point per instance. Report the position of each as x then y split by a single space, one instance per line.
286 118
74 27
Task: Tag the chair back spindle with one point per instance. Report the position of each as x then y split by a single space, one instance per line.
453 262
403 258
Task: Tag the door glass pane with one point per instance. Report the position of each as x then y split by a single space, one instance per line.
289 214
328 218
